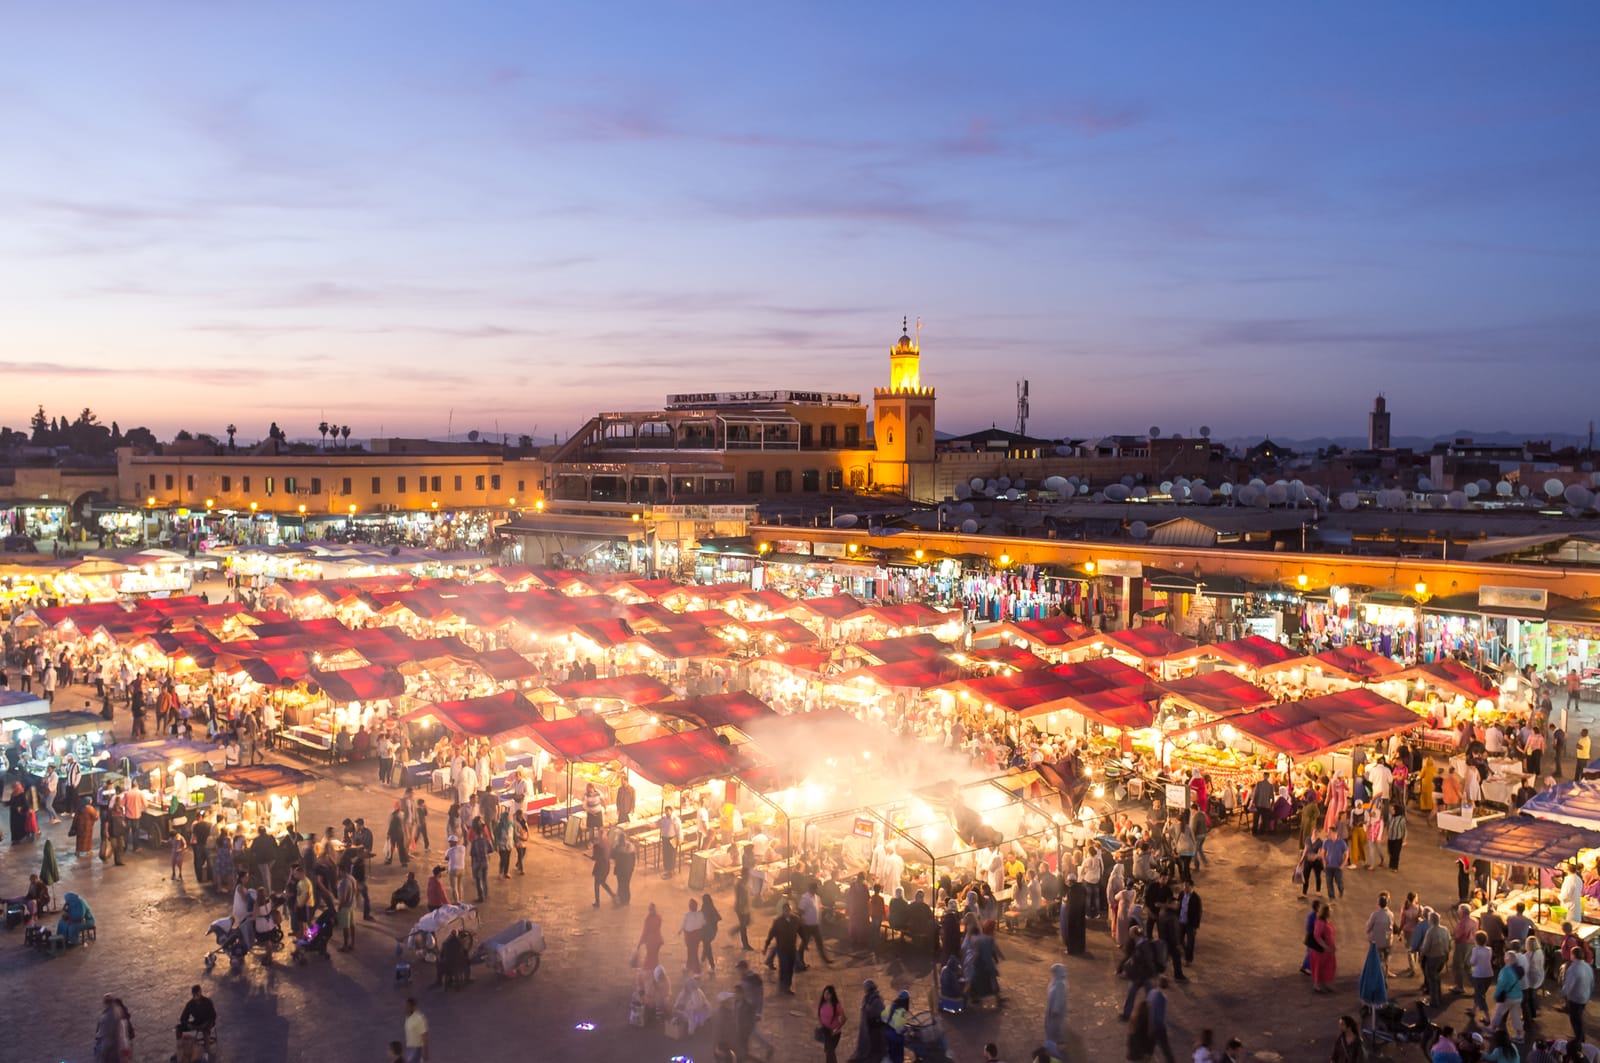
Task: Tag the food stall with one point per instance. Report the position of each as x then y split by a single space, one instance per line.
1532 852
175 775
265 795
505 719
49 738
578 739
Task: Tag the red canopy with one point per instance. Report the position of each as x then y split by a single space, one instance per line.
1453 676
910 615
1018 657
771 601
1149 643
739 709
919 673
633 689
1253 652
835 608
783 629
1323 724
581 737
682 759
499 716
1051 631
360 684
1220 693
684 644
1354 663
1128 709
895 651
506 665
800 658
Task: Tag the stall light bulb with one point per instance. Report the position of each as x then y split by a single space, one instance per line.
584 1026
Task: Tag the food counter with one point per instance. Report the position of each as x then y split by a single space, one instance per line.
1547 916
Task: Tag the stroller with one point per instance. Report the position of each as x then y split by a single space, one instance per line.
230 939
314 938
925 1039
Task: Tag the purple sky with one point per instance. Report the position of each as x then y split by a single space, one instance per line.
1253 217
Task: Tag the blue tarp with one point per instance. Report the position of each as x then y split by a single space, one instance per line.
1577 803
1524 840
163 751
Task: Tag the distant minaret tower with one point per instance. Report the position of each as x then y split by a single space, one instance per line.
1378 425
903 422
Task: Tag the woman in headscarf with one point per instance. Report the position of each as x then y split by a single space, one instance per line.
855 909
222 863
502 841
692 1008
713 919
82 829
75 918
984 980
110 1035
869 1034
1055 1007
650 940
1425 776
693 929
20 809
1338 802
1073 914
660 992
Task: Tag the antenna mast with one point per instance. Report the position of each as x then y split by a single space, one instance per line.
1022 408
918 336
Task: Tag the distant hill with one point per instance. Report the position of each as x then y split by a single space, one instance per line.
1558 440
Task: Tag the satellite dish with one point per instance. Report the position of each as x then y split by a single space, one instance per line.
1349 500
968 527
1138 529
1554 487
1200 493
1471 490
1155 432
846 520
1504 489
472 436
1205 431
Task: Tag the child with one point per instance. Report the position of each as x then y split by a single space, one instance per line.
179 847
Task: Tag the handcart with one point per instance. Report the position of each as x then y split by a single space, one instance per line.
515 950
431 931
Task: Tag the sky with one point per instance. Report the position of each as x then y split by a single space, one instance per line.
429 218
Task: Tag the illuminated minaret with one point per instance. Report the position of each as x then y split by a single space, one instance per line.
903 420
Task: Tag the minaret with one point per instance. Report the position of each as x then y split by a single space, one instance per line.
1378 425
903 423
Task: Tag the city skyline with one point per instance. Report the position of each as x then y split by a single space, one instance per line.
509 220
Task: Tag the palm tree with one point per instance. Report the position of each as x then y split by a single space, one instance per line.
323 428
344 430
232 429
333 433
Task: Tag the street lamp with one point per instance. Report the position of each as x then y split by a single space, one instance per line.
1301 579
1088 566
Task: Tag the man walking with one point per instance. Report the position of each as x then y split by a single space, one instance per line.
416 1033
1577 985
1380 929
1335 851
1157 999
1462 934
1261 799
455 865
480 850
811 925
1189 919
1434 949
784 937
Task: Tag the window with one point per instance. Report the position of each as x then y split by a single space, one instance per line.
227 484
753 482
400 484
808 480
288 485
852 435
152 481
783 481
805 437
188 483
269 487
919 435
494 482
316 485
377 485
458 483
169 481
245 484
830 436
520 486
836 479
478 483
347 487
858 478
436 480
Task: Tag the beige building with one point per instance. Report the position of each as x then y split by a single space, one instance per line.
326 482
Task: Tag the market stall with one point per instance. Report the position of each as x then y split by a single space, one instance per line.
266 796
1529 853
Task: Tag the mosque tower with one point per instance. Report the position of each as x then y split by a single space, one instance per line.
903 422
